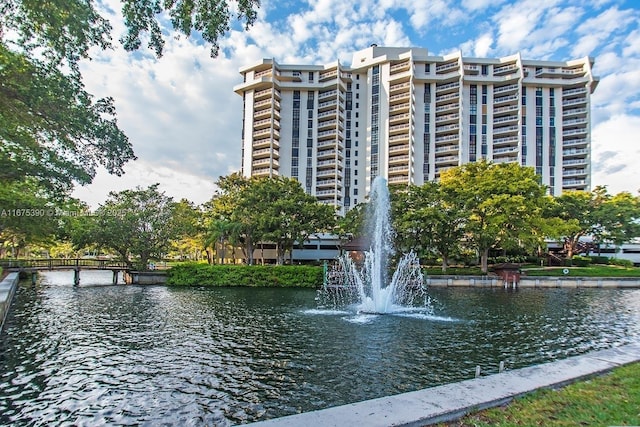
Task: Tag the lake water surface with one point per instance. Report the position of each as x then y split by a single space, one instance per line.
153 355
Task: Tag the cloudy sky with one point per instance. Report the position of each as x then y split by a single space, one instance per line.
184 120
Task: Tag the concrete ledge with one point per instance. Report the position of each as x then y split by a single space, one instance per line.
8 288
452 401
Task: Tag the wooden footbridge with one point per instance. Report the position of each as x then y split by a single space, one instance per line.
76 264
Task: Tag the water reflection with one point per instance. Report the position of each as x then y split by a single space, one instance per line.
153 355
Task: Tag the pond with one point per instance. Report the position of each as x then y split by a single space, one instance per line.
104 354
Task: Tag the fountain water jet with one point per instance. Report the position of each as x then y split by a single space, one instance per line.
369 285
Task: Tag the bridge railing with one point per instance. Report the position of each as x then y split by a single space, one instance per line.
52 263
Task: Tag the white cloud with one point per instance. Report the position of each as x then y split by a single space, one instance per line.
178 185
615 142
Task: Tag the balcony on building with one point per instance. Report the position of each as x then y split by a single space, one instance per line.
447 138
576 92
508 99
327 105
399 170
505 151
471 68
576 131
447 67
574 142
506 140
266 103
290 76
447 160
327 134
399 158
399 139
580 111
399 149
400 108
502 130
326 164
328 183
548 72
264 143
574 184
263 172
399 179
507 109
268 72
325 124
504 69
582 161
399 88
326 75
505 90
447 98
450 128
261 133
330 143
443 88
574 101
447 107
265 152
575 122
400 67
266 123
400 128
574 173
266 161
505 119
323 194
573 73
447 118
267 93
575 152
399 118
447 149
400 98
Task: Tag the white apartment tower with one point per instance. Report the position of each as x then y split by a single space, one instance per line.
408 116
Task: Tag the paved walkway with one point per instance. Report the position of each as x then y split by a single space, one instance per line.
451 401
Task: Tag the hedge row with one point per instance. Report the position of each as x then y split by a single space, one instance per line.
303 276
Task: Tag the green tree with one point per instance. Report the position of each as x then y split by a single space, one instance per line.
429 220
138 225
287 215
579 210
189 229
503 203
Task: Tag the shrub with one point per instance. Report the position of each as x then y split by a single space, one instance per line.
599 260
306 276
621 262
581 261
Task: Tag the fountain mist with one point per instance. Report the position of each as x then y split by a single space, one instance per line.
368 285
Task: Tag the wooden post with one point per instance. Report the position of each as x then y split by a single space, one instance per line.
34 275
76 276
115 277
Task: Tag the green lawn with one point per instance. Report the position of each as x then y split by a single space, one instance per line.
609 400
591 271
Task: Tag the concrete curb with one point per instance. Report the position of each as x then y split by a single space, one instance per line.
8 288
452 401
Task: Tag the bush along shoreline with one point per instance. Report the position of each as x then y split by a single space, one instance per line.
230 275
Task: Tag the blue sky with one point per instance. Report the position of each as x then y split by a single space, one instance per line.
184 120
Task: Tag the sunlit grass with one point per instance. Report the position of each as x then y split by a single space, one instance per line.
609 400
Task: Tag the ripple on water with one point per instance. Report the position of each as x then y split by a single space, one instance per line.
156 355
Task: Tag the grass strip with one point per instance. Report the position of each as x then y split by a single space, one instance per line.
612 399
591 271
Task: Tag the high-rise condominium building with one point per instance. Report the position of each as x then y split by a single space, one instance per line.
407 116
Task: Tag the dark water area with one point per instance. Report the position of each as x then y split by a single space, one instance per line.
99 354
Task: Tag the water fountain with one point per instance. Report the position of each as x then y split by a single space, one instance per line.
368 285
